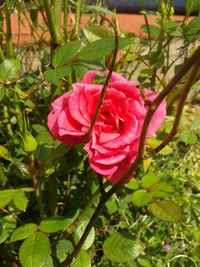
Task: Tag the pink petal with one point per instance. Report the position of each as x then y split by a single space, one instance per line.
128 88
74 102
89 76
67 124
127 136
159 114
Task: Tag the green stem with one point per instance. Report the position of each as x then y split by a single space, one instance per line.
9 47
55 35
78 16
66 15
36 184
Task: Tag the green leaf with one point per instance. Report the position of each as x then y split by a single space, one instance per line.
3 177
149 179
101 48
60 150
6 196
94 33
154 30
166 210
121 247
193 27
146 163
49 262
34 250
4 153
2 93
195 125
189 138
83 260
63 248
141 198
54 224
144 262
111 206
23 232
9 225
9 69
133 184
161 189
66 53
166 151
98 9
44 138
54 75
78 233
20 200
192 5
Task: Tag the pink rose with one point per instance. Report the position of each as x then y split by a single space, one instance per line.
114 142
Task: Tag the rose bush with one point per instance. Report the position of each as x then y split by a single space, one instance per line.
114 142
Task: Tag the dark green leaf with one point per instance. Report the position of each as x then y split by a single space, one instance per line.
34 250
192 5
66 53
23 232
166 210
54 75
121 247
193 27
44 138
101 48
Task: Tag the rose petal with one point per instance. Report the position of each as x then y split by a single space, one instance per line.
127 136
159 114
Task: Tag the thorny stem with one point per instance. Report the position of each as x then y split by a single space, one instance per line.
105 85
182 99
194 59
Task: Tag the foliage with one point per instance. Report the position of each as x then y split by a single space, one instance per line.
48 192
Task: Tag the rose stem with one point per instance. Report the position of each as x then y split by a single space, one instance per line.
183 96
153 107
105 85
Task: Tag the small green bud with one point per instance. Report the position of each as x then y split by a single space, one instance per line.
29 142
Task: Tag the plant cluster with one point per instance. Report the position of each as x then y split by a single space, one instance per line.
55 209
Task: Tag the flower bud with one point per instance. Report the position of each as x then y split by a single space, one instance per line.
29 142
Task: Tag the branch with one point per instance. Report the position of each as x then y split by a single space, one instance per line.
105 85
183 96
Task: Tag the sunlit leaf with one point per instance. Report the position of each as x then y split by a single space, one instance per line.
34 250
166 210
121 247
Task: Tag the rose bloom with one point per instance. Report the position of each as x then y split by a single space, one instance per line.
114 142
